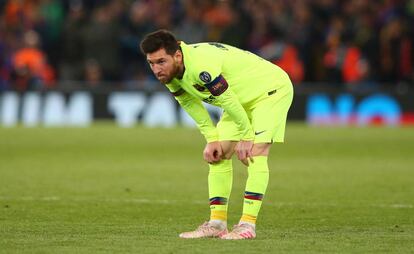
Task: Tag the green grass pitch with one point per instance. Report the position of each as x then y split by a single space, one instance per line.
105 189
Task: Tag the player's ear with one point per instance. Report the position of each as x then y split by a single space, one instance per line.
178 56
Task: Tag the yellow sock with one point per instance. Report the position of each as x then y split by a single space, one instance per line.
218 215
248 218
258 177
220 179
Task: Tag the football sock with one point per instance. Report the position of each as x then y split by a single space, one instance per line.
250 219
257 180
220 179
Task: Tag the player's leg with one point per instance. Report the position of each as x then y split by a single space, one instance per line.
220 179
256 185
269 120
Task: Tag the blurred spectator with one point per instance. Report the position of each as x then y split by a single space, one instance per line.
191 29
21 14
5 59
92 73
238 29
5 68
260 34
49 27
136 24
396 51
72 51
286 57
162 12
301 34
30 67
343 61
217 16
100 40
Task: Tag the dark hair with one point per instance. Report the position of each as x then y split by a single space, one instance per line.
158 40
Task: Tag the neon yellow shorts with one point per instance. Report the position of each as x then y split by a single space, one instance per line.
268 118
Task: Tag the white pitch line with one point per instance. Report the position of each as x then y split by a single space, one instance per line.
198 202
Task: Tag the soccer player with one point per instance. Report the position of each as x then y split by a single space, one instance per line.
255 96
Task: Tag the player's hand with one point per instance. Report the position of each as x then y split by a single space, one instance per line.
213 152
243 150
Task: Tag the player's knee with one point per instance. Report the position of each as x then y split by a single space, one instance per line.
228 149
261 149
227 155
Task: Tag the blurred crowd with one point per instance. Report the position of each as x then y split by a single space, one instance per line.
45 43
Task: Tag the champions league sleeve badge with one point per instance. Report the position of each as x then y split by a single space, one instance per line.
205 77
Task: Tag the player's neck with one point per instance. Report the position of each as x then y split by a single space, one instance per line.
181 70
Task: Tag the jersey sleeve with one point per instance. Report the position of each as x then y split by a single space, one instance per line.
199 114
229 101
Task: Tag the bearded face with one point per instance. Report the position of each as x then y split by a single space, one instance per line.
164 66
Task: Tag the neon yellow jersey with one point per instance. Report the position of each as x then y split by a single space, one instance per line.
225 76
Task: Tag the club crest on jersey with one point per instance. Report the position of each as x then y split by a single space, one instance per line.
205 77
199 88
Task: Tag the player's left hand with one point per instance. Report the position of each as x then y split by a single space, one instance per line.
243 150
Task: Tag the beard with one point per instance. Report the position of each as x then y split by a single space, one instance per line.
168 77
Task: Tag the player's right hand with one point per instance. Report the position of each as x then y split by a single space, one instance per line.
213 152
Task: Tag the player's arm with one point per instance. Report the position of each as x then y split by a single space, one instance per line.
198 113
230 103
